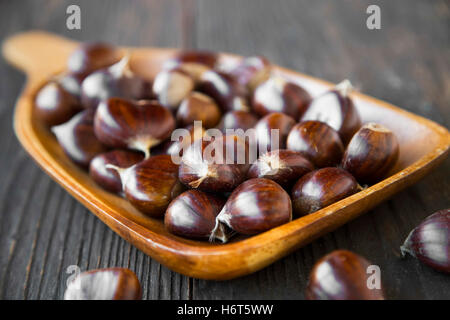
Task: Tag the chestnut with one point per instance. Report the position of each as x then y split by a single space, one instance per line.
71 82
342 275
193 70
176 147
104 284
271 131
200 107
255 206
77 138
117 80
237 120
371 154
318 189
193 215
109 179
55 105
336 108
217 166
284 167
227 93
279 95
202 57
251 72
430 241
171 87
137 125
317 141
150 185
90 57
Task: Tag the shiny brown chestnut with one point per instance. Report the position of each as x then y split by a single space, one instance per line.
251 72
321 188
137 125
171 87
284 167
343 275
215 166
317 141
430 241
371 154
150 185
193 70
269 128
109 179
55 105
77 138
202 57
193 215
255 206
177 146
198 107
336 108
279 95
237 120
71 82
117 80
104 284
90 57
227 93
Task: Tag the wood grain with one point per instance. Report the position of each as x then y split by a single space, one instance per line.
405 63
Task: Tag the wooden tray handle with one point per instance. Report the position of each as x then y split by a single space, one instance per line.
38 52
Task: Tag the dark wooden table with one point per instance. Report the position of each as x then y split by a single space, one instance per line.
43 230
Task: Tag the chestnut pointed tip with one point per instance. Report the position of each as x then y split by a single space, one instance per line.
113 167
224 217
120 171
406 248
272 162
279 82
218 232
210 173
222 235
143 144
196 183
122 67
344 87
212 236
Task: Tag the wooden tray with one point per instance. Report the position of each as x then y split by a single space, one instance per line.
423 145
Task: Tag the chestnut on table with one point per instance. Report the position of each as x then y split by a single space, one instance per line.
430 241
342 275
104 284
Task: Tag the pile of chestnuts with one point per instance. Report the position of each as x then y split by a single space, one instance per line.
265 152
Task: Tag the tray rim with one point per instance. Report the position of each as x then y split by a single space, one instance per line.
253 253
